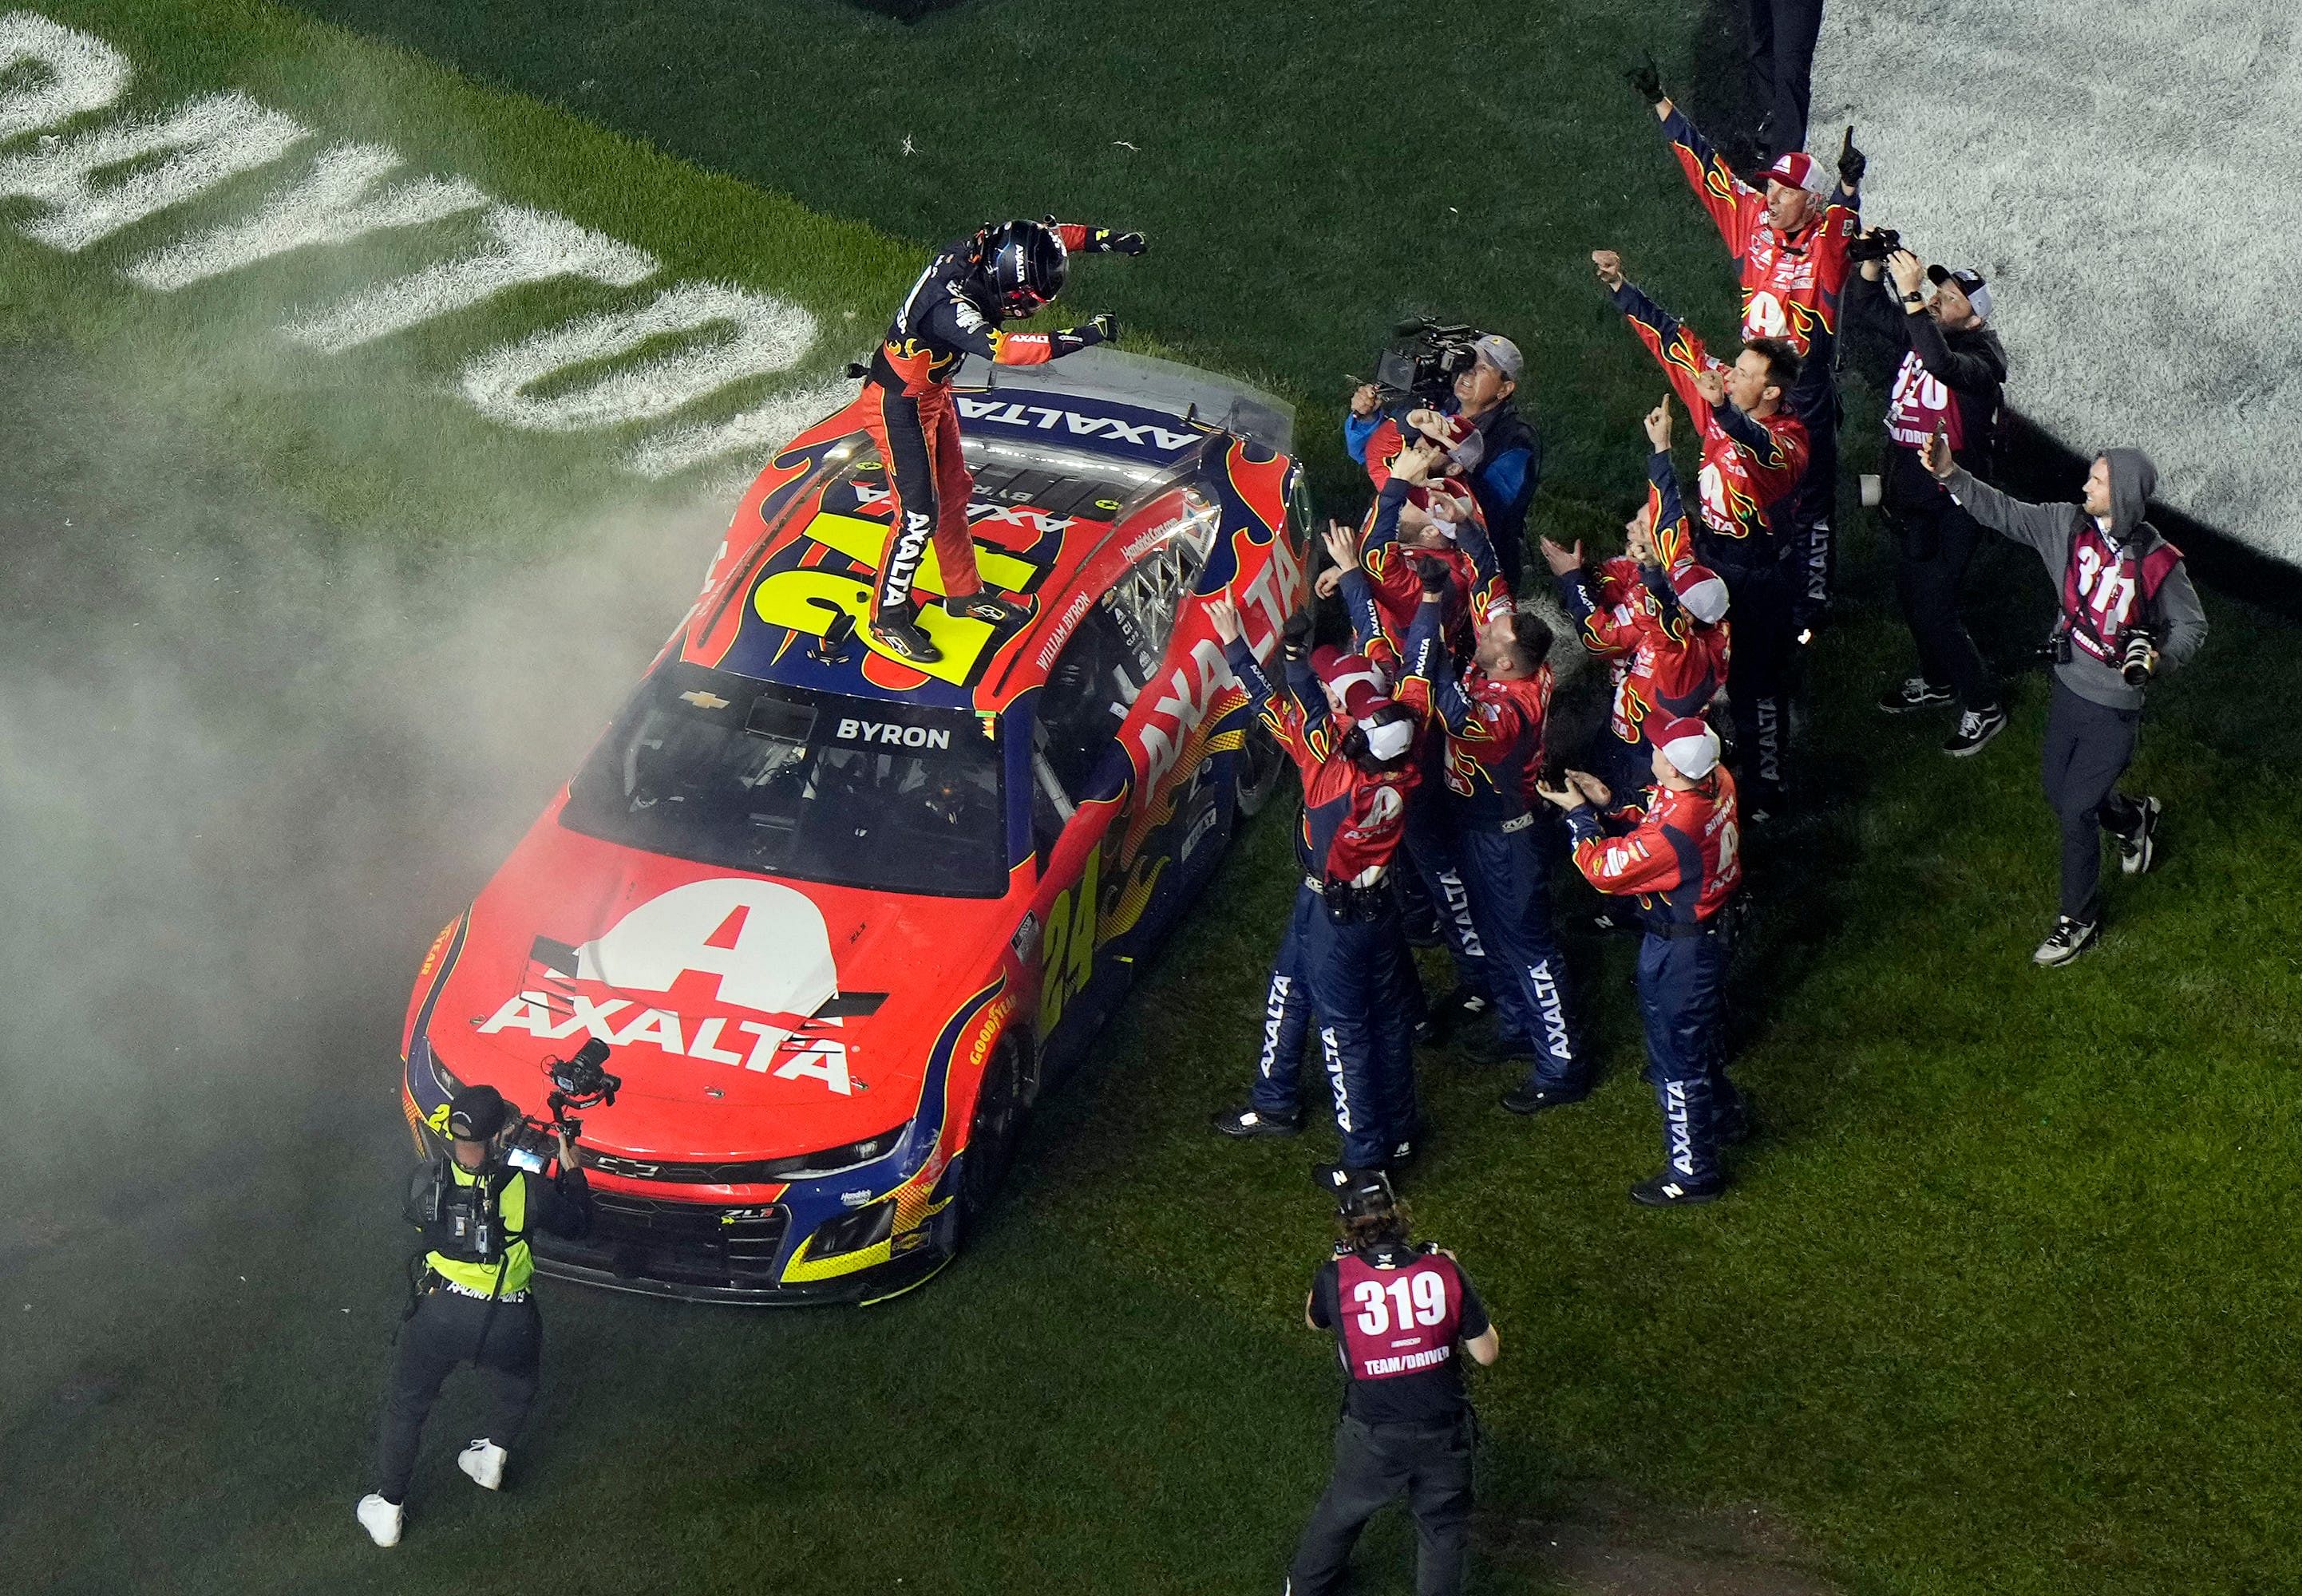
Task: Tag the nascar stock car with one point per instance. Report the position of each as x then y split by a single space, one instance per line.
840 917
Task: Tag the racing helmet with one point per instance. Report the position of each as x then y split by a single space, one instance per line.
1025 264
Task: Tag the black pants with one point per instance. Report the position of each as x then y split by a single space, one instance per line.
1933 545
1812 507
1759 668
2088 749
1374 1465
1782 67
504 1340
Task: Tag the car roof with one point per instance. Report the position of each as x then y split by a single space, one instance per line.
1079 482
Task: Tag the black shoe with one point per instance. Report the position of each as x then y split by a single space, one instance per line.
1975 728
1666 1191
2136 852
1916 693
1534 1099
1402 1154
1428 1031
897 631
1333 1178
1607 921
1498 1046
2068 939
985 606
1251 1121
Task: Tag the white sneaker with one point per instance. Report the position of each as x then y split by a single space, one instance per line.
484 1460
379 1518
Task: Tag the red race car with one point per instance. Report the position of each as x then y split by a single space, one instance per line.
839 919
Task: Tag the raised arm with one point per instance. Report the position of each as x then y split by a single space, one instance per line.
2043 527
1675 346
1733 206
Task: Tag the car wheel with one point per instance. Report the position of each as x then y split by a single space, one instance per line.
1262 763
1003 1104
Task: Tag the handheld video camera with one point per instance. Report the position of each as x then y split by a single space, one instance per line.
1876 244
1425 365
578 1082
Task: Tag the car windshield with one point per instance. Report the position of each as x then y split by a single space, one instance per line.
819 786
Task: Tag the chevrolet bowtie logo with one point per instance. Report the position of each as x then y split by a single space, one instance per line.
702 699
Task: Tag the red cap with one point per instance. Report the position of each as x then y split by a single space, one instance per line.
1796 169
1687 742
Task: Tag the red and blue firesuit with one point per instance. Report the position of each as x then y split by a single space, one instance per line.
1791 287
1680 858
1749 466
1382 597
952 312
1493 753
1344 949
1665 662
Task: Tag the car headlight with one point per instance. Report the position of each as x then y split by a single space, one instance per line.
750 1171
853 1232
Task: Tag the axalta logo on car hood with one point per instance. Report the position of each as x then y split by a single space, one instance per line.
1143 432
728 971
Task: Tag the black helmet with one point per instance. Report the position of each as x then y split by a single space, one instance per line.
1024 261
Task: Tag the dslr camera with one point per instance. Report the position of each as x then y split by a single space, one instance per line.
1875 243
578 1082
1423 366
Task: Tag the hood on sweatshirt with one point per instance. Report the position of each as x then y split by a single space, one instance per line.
2132 480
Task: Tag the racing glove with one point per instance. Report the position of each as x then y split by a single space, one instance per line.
1071 341
1646 79
1851 161
1432 573
1105 241
1296 636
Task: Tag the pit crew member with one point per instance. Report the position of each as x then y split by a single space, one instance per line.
1753 452
1358 776
1680 858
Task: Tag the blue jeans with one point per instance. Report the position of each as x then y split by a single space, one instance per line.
1509 875
1681 984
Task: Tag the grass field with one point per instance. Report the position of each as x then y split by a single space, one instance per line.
296 644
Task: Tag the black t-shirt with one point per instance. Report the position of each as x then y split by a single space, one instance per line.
1436 1395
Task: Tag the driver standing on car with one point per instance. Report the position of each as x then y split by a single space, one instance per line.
471 1302
1005 272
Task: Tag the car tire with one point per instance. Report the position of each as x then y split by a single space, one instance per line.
1262 765
1002 1107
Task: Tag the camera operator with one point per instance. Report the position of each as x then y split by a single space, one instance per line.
1681 860
1399 1313
1656 617
1509 467
1753 453
1789 248
470 1301
1492 718
1951 376
1359 774
2128 611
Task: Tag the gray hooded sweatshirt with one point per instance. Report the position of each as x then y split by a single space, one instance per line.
2049 529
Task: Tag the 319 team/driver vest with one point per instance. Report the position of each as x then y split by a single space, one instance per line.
1398 1322
515 1263
2100 585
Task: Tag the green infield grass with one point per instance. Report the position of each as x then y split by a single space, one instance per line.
297 642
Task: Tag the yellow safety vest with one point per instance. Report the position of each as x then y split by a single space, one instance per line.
517 1266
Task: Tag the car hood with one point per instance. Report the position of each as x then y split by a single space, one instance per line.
749 1017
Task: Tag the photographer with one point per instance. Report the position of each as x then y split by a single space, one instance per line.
471 1302
1753 454
1510 462
2128 611
1950 376
1358 773
1789 245
1401 1313
1657 619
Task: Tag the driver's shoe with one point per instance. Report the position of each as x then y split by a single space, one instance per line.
984 605
897 629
